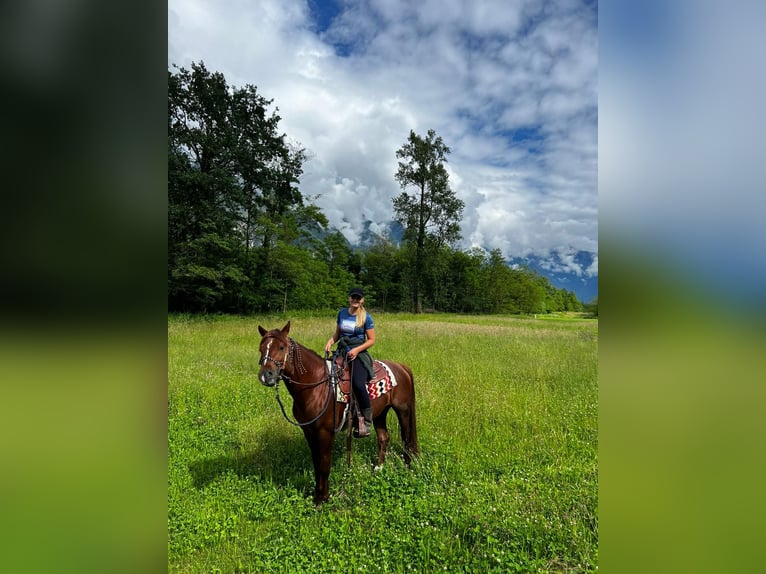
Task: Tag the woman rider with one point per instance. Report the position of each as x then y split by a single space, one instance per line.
355 331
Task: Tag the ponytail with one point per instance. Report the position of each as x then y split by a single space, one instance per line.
361 317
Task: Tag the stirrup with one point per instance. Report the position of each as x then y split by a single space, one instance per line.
363 429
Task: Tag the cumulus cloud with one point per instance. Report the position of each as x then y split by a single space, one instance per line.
512 90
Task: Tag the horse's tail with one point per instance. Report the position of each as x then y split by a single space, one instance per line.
414 447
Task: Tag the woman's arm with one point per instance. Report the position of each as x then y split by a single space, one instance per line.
370 333
331 341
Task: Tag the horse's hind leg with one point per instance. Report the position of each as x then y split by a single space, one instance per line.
383 437
406 418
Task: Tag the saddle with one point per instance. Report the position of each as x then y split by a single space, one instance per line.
383 379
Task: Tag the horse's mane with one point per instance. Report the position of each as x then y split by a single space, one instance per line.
312 351
278 333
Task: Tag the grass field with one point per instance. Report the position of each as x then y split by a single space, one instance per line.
507 412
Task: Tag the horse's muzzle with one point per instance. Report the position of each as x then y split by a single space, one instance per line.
267 377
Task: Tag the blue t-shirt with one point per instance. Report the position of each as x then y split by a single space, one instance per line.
348 328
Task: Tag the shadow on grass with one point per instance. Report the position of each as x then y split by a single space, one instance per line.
278 459
283 460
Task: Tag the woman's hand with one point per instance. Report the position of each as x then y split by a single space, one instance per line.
328 346
352 354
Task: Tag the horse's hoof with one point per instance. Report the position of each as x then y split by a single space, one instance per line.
377 467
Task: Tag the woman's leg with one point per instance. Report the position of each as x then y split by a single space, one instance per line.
359 382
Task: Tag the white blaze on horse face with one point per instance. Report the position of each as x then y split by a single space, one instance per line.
261 376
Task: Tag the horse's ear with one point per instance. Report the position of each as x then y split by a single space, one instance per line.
286 328
261 330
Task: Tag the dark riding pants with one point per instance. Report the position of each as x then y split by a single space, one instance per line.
359 377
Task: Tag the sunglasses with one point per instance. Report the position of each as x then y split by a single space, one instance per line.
355 297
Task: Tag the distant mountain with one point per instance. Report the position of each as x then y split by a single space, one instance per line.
564 274
371 232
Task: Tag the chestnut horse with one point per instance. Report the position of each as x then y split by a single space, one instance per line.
307 379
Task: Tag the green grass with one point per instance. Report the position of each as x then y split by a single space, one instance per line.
506 481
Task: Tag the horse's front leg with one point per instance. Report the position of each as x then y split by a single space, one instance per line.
320 441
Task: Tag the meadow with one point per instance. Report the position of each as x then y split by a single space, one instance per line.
507 479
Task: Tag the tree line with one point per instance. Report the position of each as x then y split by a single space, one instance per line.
243 238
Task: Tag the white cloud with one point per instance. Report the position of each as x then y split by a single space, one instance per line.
470 70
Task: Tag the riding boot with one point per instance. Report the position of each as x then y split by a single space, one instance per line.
365 421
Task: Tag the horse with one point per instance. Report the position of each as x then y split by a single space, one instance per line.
308 381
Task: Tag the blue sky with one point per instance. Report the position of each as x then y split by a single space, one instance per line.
511 87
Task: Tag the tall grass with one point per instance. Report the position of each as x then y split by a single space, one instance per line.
506 482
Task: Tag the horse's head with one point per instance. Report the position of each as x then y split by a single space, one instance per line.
275 350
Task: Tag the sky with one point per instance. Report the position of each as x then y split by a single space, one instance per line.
511 87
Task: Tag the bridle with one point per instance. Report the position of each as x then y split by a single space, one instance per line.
280 364
295 351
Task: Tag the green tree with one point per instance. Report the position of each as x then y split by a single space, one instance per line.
202 192
334 250
382 268
232 193
467 287
527 291
571 302
431 215
497 282
204 271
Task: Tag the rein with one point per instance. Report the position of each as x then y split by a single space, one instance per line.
280 375
316 418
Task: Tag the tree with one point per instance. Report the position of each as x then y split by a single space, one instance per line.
382 268
528 291
202 192
431 215
466 285
232 193
571 302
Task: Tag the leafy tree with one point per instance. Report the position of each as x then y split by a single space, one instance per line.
382 268
337 255
529 293
496 278
431 215
232 193
298 279
335 251
433 275
553 297
205 269
571 302
467 286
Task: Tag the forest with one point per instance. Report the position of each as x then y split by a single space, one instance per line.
243 238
